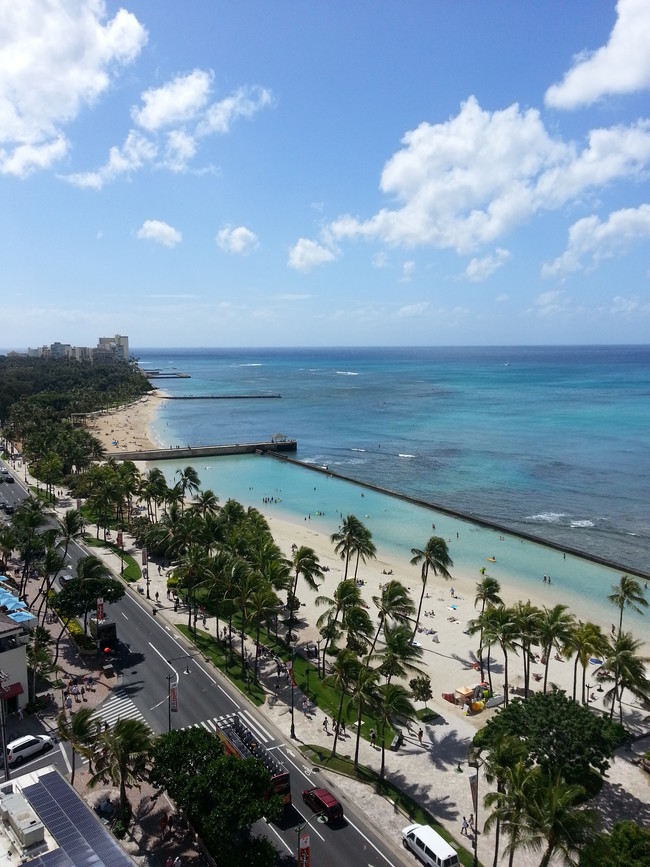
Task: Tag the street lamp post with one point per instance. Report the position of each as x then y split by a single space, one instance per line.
303 852
170 677
3 723
477 763
293 728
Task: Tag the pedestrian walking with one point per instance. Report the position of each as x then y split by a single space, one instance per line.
169 862
409 726
20 713
471 823
464 827
373 738
342 726
177 862
325 724
83 693
420 736
68 703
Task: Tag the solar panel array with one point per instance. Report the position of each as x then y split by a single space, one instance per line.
83 840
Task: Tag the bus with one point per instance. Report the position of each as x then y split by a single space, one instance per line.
239 741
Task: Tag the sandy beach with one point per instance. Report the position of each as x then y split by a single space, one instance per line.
129 428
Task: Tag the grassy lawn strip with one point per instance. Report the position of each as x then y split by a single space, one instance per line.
320 756
132 571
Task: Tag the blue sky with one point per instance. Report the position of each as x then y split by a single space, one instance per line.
335 173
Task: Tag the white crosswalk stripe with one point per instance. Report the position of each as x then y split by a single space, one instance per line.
119 706
212 723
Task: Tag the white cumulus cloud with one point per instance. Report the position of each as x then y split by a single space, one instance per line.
177 101
407 271
134 153
480 269
161 232
244 102
620 66
55 59
239 240
412 311
306 254
468 181
591 240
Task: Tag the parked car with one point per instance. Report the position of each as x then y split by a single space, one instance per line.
9 480
29 745
323 801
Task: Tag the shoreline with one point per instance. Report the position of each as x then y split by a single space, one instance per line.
471 519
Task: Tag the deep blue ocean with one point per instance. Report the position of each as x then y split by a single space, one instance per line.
549 441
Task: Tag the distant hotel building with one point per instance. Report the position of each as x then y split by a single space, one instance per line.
107 349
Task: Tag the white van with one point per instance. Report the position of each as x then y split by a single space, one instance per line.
429 846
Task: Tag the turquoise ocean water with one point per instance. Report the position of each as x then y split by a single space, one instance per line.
548 441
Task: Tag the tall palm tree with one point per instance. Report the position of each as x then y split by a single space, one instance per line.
89 570
347 595
506 752
8 541
556 820
188 481
364 548
52 563
629 671
70 526
528 619
346 540
393 700
399 654
193 569
359 629
628 593
303 562
487 593
342 673
555 630
205 503
585 640
434 557
81 731
249 582
501 628
520 783
124 751
364 692
394 603
264 603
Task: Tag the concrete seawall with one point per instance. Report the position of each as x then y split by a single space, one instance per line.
208 451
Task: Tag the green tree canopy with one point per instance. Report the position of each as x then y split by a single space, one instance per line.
560 737
627 844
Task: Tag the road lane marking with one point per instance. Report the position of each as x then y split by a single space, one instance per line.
255 727
360 832
280 838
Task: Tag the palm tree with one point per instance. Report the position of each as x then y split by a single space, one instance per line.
363 548
585 640
189 481
435 557
206 503
506 752
510 803
399 653
629 671
90 569
555 630
8 542
193 569
81 731
304 562
556 819
342 673
347 595
363 694
501 628
394 603
52 563
393 700
124 750
347 539
70 526
628 593
359 629
487 593
263 605
528 619
248 583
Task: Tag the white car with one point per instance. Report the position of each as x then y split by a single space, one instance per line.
29 745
